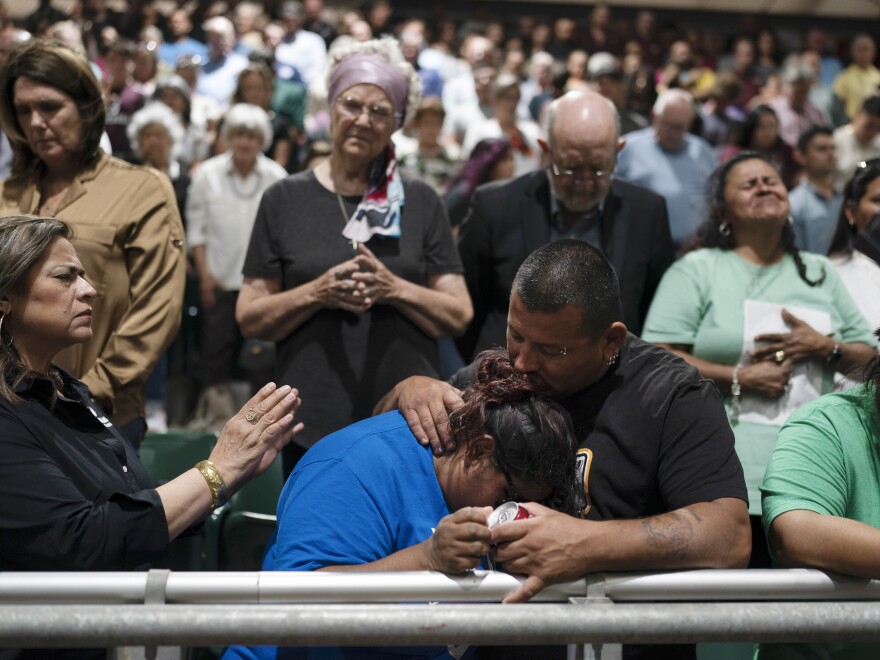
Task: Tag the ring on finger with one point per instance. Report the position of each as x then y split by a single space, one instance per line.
251 416
779 356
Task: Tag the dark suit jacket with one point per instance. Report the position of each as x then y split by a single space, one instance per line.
507 221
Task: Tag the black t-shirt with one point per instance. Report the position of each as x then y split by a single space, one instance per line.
341 362
654 436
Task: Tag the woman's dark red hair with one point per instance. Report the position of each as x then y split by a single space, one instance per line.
534 438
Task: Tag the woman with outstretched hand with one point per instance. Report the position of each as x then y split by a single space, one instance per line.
73 494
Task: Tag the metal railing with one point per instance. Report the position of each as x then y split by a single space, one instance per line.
198 609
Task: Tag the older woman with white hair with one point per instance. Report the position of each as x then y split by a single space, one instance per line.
352 271
220 210
174 92
156 136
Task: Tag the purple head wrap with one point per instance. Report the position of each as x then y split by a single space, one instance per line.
373 70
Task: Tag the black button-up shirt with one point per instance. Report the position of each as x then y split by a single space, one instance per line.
73 494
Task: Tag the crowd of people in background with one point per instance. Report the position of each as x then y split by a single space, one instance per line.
710 173
688 100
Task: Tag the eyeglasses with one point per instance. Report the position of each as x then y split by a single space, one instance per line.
865 164
353 108
512 494
579 173
865 172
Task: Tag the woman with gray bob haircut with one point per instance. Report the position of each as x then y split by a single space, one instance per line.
220 209
250 119
158 117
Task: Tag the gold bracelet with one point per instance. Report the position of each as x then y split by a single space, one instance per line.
209 471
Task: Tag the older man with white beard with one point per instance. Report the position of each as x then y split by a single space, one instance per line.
576 196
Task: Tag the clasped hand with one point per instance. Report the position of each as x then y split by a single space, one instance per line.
459 541
357 284
545 548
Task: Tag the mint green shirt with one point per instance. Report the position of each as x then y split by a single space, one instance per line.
826 461
700 302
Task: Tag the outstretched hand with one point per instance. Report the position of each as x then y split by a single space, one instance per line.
251 440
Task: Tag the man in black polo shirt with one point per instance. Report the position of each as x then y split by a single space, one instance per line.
662 485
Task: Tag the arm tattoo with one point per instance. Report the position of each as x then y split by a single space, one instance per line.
671 533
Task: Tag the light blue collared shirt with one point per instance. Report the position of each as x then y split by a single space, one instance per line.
815 217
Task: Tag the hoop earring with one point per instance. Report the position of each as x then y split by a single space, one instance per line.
725 229
5 343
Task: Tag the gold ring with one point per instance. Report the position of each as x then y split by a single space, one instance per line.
251 416
780 356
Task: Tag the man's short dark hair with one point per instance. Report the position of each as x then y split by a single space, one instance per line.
871 106
808 135
571 272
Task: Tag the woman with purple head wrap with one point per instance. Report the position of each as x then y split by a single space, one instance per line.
351 270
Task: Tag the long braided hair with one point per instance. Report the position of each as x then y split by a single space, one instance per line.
710 234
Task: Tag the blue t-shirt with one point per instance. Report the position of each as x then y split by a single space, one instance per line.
679 175
358 495
170 52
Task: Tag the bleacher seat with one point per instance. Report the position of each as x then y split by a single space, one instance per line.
234 536
248 521
167 455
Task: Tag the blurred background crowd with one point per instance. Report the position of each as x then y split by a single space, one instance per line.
185 83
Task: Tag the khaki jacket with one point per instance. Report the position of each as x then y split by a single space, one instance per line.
129 238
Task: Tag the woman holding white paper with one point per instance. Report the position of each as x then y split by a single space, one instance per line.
767 323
